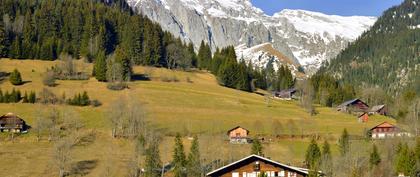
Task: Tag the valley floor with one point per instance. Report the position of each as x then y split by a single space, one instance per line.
195 104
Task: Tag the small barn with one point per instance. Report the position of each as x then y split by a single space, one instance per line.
254 166
387 130
354 105
12 123
379 109
238 135
288 94
364 117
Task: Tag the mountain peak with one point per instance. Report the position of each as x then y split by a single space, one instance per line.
307 37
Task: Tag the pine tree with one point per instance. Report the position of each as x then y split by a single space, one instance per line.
1 96
32 98
3 39
152 160
194 161
405 161
84 100
375 158
313 156
122 58
204 56
25 98
257 147
100 67
179 159
15 78
344 143
326 160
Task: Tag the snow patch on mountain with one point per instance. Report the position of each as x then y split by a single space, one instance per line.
304 37
327 25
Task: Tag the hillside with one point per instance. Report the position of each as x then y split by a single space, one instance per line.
200 107
387 56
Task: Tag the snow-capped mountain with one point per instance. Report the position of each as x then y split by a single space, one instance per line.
307 38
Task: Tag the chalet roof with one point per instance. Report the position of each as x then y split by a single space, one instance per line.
377 108
247 131
349 102
365 113
384 125
11 120
256 157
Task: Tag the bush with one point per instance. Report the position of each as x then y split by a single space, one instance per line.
79 100
15 97
47 97
49 79
169 79
117 86
15 78
95 103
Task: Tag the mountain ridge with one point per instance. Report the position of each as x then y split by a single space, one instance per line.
236 22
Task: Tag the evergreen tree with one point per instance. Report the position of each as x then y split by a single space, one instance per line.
405 161
194 161
15 78
375 158
122 58
25 98
152 160
326 160
179 159
3 39
313 156
84 100
204 56
100 67
257 147
32 98
1 96
344 143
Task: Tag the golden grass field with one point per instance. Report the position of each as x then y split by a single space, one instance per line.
201 107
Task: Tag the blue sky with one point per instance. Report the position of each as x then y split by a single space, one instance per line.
332 7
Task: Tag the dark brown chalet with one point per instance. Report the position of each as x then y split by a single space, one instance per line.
12 123
254 165
355 105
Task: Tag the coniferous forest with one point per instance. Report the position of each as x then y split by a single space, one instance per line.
93 30
386 56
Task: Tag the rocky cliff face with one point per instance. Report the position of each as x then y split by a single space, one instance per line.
307 38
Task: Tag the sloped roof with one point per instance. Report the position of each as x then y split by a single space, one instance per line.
10 120
350 102
385 125
247 131
295 169
377 108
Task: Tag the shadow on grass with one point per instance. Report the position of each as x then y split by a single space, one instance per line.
83 168
140 77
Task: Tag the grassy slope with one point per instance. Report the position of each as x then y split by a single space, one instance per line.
199 107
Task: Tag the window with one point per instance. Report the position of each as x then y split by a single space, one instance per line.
257 166
235 174
244 174
291 174
282 174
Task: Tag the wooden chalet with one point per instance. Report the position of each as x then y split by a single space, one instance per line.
387 130
354 105
379 109
238 135
285 94
364 117
12 123
254 165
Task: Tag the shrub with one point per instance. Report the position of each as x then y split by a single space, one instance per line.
79 100
117 86
47 97
15 78
49 79
95 103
